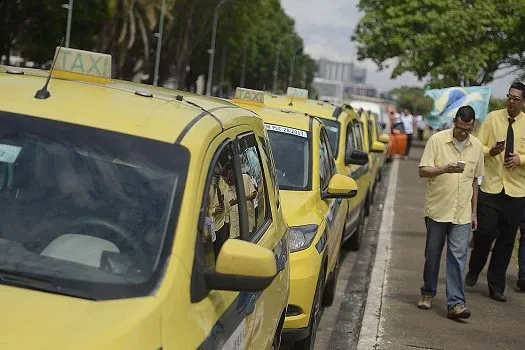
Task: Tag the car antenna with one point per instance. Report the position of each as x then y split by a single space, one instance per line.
43 93
291 101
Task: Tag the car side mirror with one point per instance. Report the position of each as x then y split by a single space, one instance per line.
242 266
340 186
384 138
378 147
357 157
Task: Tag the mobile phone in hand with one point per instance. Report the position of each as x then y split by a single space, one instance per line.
460 164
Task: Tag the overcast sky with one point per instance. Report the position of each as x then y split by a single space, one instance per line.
326 27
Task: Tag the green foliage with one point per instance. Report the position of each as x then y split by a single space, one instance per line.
413 99
452 42
248 33
497 103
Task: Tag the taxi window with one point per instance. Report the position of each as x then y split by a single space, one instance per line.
358 132
270 163
293 173
350 140
332 129
326 161
90 213
370 133
219 215
254 185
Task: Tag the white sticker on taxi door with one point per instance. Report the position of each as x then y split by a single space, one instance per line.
236 340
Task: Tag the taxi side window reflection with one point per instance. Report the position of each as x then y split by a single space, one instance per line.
221 216
350 146
254 185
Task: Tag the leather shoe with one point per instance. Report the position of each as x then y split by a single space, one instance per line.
521 285
498 296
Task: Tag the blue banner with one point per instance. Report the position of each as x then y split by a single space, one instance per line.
447 102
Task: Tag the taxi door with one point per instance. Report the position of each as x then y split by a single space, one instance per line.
357 172
336 207
238 320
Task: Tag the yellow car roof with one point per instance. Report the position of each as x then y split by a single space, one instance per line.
311 107
130 108
280 116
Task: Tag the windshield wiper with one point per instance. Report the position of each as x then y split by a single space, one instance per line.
39 283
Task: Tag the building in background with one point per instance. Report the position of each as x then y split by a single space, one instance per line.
338 81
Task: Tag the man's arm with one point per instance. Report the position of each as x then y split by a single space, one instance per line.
433 171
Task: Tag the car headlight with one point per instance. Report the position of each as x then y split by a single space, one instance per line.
301 237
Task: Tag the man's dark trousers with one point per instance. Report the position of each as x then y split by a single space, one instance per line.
499 216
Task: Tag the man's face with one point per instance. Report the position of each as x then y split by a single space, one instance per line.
462 129
228 177
515 101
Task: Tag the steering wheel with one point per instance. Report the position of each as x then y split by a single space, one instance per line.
80 225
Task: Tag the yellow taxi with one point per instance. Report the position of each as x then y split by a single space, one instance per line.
374 145
312 192
345 131
134 218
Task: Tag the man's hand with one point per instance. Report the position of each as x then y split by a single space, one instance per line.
219 209
512 161
451 169
233 202
474 226
497 149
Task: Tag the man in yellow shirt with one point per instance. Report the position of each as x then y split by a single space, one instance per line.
502 194
452 162
232 202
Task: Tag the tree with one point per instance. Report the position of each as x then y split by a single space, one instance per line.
452 42
413 99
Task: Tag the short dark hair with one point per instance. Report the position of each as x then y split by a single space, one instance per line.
518 86
466 113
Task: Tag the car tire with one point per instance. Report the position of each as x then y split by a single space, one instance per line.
354 242
329 289
309 342
367 205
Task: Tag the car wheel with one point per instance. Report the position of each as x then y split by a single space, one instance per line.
309 342
354 243
367 205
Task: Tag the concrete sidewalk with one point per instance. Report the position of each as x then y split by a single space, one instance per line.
401 325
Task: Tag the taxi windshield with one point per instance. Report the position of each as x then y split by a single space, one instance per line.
292 160
332 128
85 212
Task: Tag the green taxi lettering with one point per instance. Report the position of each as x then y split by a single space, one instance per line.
78 63
64 55
94 64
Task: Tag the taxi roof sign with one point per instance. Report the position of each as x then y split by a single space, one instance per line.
82 65
296 92
255 97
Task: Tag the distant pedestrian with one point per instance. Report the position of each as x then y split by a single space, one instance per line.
502 194
408 123
452 162
421 125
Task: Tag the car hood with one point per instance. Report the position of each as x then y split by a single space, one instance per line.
38 320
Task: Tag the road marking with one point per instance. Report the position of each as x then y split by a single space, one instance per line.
371 327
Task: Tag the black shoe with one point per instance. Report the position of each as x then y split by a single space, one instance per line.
521 284
471 279
498 296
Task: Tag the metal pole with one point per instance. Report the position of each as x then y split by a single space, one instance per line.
245 59
159 43
69 17
292 67
212 49
223 69
277 57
